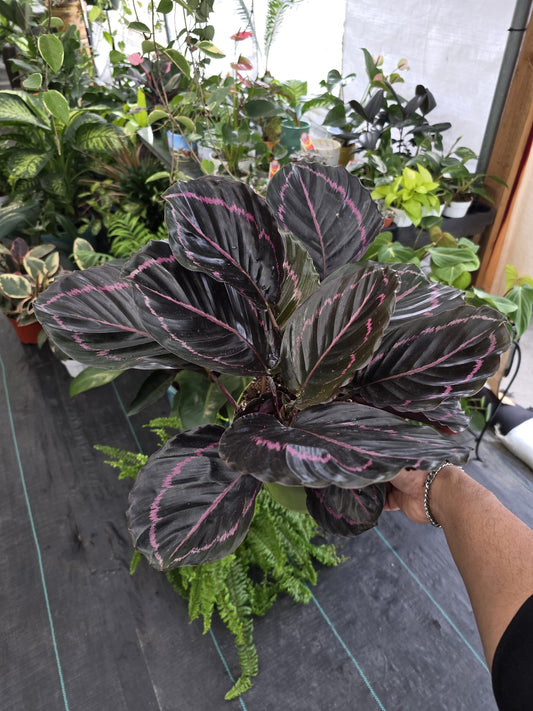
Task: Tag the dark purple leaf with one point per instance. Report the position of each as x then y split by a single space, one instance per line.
346 512
345 444
199 319
419 297
429 360
449 416
91 316
335 331
187 507
223 228
326 208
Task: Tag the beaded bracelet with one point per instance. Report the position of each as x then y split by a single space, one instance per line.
429 480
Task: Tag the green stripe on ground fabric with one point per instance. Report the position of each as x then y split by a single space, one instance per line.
34 535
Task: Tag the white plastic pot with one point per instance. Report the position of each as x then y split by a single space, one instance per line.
329 149
400 217
73 367
456 209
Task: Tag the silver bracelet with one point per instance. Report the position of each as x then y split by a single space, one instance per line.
429 480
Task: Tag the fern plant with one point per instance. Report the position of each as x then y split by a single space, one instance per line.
279 556
128 233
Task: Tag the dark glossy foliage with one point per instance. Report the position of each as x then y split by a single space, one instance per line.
357 368
224 229
328 210
91 316
335 331
204 321
200 510
346 512
345 444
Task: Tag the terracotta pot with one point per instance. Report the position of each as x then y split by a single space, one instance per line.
27 334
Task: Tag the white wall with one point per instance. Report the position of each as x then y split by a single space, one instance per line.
454 48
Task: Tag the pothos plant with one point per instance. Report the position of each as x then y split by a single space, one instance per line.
357 367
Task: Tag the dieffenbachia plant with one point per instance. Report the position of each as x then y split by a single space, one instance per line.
358 367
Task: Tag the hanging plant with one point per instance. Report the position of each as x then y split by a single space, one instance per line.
357 367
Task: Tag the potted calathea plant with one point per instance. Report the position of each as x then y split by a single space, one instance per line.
357 368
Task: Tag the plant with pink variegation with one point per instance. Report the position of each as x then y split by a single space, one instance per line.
357 368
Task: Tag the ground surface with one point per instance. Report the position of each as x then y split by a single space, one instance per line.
392 628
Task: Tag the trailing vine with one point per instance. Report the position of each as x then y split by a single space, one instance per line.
279 556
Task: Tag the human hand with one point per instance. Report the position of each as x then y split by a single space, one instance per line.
406 493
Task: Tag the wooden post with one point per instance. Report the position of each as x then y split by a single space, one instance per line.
510 146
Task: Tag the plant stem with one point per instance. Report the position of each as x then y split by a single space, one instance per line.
229 397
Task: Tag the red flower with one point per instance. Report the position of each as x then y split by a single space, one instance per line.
135 59
238 36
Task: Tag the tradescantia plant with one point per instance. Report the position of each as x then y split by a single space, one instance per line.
357 367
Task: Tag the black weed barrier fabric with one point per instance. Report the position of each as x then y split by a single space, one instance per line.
390 629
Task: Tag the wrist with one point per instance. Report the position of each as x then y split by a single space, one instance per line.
449 491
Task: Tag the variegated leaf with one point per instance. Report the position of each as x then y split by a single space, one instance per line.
326 208
187 507
91 316
429 360
344 444
335 331
346 512
448 416
223 228
201 320
419 297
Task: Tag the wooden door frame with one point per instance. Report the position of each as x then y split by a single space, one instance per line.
506 160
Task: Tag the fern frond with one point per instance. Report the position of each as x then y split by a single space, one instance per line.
128 234
164 428
128 463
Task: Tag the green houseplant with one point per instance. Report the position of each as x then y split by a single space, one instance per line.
460 185
46 149
357 368
24 274
414 193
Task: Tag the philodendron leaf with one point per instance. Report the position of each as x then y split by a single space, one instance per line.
199 399
187 507
326 208
522 296
57 105
346 512
153 388
91 316
51 50
33 82
345 444
199 319
335 331
430 359
221 227
92 378
301 279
